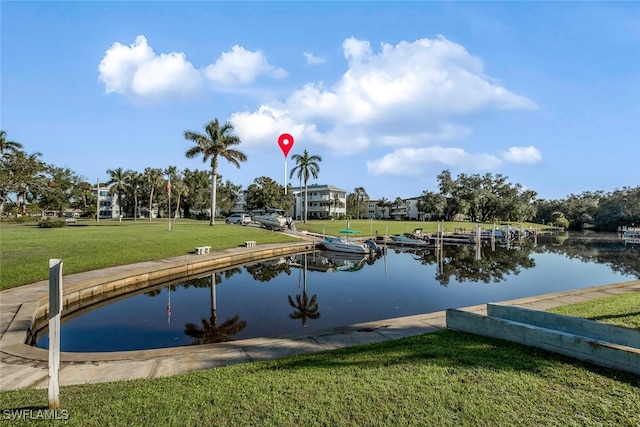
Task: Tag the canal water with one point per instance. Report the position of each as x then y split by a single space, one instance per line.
317 290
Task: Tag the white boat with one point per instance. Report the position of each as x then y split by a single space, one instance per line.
631 237
345 243
408 239
271 220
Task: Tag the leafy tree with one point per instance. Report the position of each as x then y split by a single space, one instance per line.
7 146
59 192
22 174
432 203
619 208
197 195
265 192
215 142
228 195
84 198
307 166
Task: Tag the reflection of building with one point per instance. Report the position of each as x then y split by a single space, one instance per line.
324 201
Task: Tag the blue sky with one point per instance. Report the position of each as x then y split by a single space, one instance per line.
388 93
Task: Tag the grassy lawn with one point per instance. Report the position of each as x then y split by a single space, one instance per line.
445 378
25 249
621 310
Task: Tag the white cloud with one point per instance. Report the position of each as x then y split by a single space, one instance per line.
418 161
312 59
241 66
412 94
136 70
120 63
528 154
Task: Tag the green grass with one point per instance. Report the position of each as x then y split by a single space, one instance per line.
445 378
622 310
25 249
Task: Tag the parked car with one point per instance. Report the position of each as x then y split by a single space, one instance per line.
240 219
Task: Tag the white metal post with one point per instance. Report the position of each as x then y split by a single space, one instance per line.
55 308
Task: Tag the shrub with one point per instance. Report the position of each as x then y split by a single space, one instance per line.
561 222
52 223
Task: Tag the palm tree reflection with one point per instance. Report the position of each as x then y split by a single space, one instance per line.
211 331
306 308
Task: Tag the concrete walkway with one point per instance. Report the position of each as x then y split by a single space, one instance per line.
23 366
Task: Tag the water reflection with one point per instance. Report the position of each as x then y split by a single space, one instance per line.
306 308
211 331
316 290
463 264
601 248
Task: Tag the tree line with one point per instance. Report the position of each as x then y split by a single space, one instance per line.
36 187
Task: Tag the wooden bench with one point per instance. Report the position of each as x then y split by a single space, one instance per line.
201 250
250 243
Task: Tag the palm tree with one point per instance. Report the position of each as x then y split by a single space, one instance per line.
397 203
118 178
216 141
337 203
361 196
384 203
306 167
153 178
7 146
178 187
133 180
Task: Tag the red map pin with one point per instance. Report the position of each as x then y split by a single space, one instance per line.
285 141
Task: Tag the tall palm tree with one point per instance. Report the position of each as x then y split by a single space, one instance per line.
397 203
7 146
216 141
361 196
306 167
384 203
337 203
153 179
133 180
117 177
180 188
